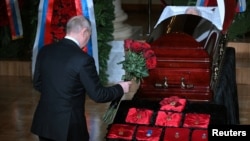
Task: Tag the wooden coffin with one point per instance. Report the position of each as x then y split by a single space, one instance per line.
184 64
183 69
189 50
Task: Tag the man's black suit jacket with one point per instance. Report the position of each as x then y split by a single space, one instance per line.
63 75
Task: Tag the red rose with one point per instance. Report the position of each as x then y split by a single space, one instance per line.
127 44
150 58
142 52
151 62
137 47
146 46
148 53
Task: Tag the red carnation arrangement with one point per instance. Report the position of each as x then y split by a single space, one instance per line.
139 59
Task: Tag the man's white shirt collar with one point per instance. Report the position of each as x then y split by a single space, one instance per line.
70 38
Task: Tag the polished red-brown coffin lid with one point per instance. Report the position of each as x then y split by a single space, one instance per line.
180 50
179 56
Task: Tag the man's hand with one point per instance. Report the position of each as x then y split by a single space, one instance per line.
125 86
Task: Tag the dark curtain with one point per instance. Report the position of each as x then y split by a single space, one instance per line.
226 90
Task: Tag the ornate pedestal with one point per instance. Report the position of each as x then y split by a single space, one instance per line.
121 30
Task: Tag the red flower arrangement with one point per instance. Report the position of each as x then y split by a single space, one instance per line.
139 59
63 10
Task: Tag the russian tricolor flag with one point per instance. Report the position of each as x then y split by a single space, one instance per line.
15 21
241 4
43 35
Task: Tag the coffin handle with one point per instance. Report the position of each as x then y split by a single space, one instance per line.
165 84
184 85
162 85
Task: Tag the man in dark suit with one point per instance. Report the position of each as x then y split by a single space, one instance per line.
63 75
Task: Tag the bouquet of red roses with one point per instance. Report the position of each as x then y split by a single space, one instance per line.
139 59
